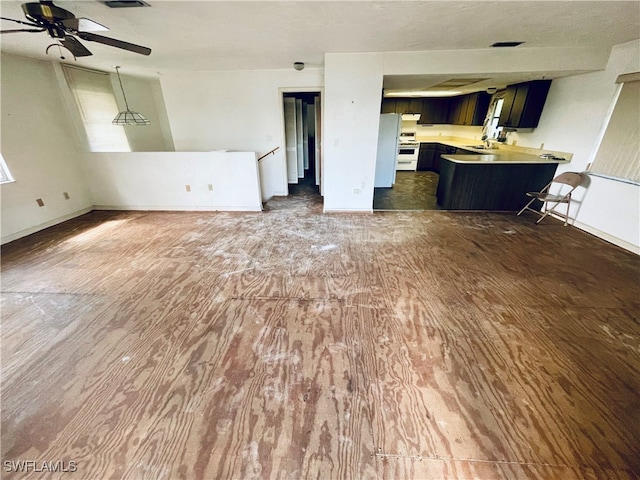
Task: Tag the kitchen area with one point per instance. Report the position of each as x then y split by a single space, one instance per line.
459 151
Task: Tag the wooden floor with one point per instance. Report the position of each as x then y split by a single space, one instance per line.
291 344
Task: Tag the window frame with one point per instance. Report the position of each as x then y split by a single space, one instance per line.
5 173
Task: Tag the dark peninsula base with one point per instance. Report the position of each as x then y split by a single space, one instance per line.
484 186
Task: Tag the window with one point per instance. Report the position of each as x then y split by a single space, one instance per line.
5 174
97 105
618 155
491 127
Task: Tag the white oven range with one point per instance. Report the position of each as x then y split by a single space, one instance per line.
408 150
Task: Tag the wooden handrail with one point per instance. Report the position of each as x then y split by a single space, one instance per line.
268 153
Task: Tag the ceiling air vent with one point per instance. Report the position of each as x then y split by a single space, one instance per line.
125 3
507 44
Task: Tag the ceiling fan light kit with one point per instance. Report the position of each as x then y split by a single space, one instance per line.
64 26
130 118
127 117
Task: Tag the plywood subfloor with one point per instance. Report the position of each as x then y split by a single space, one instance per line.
290 344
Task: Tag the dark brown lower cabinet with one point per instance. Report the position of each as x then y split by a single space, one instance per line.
425 157
482 186
429 156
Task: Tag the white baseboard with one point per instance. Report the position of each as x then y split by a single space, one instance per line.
28 231
609 238
174 208
347 210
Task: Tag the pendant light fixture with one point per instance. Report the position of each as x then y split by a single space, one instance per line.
128 117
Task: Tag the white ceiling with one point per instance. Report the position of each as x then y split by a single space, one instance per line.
230 35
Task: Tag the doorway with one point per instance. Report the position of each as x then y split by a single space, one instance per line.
303 142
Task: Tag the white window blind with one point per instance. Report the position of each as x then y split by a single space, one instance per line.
618 155
97 106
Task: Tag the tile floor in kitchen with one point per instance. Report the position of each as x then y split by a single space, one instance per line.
412 191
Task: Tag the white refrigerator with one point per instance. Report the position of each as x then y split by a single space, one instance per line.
387 157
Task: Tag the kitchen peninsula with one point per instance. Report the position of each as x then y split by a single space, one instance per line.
495 180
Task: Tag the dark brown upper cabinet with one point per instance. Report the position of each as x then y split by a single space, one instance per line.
523 104
388 105
415 105
434 111
469 109
402 105
408 105
463 110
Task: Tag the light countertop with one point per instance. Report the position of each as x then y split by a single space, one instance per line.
503 154
500 158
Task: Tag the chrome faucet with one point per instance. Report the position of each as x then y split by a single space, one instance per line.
490 144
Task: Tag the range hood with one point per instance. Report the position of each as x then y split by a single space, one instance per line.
410 117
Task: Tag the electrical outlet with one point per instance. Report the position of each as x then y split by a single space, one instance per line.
66 195
39 202
188 188
210 187
542 146
356 191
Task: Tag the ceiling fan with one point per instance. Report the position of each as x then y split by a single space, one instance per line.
64 26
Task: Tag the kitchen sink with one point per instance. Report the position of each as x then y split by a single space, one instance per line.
480 149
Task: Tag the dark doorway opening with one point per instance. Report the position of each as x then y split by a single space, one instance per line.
302 125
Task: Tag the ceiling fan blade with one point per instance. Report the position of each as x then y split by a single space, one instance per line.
92 37
75 47
23 30
84 25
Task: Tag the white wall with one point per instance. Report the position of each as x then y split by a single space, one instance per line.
353 92
158 180
495 60
40 146
235 110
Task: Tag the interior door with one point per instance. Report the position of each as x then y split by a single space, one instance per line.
305 136
319 164
299 138
290 129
